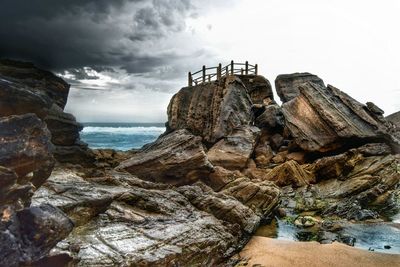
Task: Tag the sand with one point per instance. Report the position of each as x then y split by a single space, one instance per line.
266 251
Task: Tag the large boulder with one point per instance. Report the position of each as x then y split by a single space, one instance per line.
287 85
26 148
39 80
175 158
211 110
27 89
322 119
395 119
233 151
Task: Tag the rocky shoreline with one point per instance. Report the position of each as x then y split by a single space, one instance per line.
230 160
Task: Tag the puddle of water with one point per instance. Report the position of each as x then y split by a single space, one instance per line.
367 235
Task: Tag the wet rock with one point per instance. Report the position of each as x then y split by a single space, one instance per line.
147 224
305 221
287 85
348 240
211 110
337 120
233 151
28 235
290 173
26 148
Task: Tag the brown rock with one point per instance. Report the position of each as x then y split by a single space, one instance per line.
26 148
325 119
290 173
219 177
233 151
287 85
211 110
258 87
176 158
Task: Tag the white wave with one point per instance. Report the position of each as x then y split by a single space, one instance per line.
152 130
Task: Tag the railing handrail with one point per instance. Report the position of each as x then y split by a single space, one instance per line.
221 72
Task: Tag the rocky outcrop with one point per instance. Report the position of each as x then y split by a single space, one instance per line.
26 233
127 221
27 89
323 119
287 85
211 110
290 173
175 158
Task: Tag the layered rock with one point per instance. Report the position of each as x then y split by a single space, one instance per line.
287 85
27 89
323 119
211 110
175 158
233 151
26 233
258 88
127 221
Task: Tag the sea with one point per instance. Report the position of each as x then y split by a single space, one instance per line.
120 136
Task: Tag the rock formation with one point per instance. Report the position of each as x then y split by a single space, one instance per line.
26 233
27 89
287 85
230 159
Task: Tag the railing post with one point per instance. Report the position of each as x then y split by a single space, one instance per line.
241 71
219 71
190 81
232 67
256 69
209 77
227 71
247 67
204 73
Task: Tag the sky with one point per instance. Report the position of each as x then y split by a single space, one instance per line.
125 59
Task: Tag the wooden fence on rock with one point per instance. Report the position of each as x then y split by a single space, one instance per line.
216 73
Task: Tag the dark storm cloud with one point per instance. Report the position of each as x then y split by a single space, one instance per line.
72 34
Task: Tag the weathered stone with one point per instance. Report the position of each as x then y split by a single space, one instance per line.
211 110
233 151
395 119
175 158
146 224
26 148
261 196
287 85
290 173
337 120
63 127
40 80
258 87
271 118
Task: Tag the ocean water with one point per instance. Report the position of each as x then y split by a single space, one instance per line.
120 136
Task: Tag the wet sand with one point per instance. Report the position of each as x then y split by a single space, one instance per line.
266 251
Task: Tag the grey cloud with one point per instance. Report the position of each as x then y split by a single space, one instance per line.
60 35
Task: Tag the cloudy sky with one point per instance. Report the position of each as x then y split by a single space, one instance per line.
126 58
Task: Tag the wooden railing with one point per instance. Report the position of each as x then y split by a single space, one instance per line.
216 73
